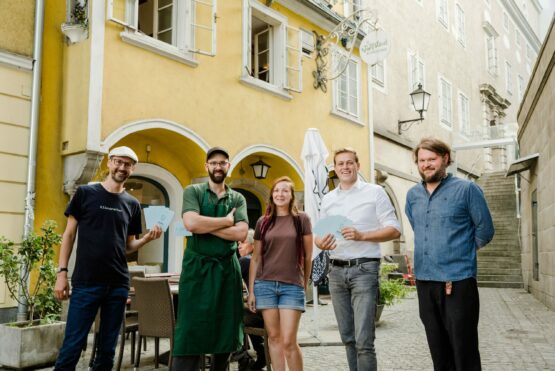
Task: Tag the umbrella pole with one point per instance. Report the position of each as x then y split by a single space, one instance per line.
315 310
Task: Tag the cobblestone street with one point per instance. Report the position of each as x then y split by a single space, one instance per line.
516 333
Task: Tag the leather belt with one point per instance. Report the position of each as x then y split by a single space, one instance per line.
352 262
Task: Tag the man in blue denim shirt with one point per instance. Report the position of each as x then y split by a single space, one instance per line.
451 221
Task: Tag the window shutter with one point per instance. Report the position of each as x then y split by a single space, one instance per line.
203 26
123 12
293 54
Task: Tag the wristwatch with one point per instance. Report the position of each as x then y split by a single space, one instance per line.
60 270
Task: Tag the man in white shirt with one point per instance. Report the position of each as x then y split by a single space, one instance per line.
355 258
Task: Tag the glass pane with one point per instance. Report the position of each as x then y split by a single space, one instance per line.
165 36
343 101
352 88
165 19
263 41
353 105
163 3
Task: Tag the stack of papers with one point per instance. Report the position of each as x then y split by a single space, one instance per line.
332 224
160 215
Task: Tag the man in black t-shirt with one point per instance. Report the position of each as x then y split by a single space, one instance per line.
107 219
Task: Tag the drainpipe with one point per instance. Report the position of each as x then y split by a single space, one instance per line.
33 138
371 149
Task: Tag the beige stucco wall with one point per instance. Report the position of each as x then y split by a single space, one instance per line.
17 18
15 105
537 135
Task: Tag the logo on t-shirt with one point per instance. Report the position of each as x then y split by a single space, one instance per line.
110 208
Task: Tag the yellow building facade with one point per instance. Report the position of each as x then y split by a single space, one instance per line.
171 79
16 46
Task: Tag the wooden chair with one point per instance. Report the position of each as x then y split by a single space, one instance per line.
257 331
154 303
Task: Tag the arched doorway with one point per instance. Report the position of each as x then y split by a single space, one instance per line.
150 193
254 208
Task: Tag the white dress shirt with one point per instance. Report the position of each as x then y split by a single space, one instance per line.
368 207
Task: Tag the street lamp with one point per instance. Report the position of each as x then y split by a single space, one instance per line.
420 101
260 169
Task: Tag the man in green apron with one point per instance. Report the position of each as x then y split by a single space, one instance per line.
210 310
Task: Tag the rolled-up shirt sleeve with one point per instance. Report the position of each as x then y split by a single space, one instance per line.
385 211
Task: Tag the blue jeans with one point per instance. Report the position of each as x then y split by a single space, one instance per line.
83 306
354 292
278 295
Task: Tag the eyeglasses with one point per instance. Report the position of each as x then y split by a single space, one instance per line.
125 164
215 164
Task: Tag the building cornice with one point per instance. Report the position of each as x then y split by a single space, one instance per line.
537 5
317 13
16 61
522 23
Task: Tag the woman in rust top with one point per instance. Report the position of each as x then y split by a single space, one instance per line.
279 272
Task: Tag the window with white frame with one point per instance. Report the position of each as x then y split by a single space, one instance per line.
459 18
491 54
517 37
350 7
416 71
508 78
464 114
442 12
346 88
174 26
505 21
308 42
520 87
377 72
272 49
445 110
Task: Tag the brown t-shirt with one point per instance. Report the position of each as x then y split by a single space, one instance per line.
280 250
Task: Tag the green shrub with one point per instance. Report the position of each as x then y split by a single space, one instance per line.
35 253
391 290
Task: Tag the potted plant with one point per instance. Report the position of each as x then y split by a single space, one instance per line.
391 290
77 29
37 340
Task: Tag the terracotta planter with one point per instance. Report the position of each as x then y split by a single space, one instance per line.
30 346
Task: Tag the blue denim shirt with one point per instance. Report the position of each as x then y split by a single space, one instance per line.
449 226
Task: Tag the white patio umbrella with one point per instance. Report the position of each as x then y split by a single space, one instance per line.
314 155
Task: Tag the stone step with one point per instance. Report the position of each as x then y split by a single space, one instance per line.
500 277
507 253
504 285
498 263
508 271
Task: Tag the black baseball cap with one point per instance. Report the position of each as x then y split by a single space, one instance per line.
214 150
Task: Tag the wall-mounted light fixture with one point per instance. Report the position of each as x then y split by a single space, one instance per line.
260 169
420 101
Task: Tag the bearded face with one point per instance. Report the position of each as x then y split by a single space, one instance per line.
432 166
217 167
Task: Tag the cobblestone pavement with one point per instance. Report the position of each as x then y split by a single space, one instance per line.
517 332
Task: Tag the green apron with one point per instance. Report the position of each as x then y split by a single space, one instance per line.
210 310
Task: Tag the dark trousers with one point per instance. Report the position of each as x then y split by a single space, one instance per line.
220 362
83 306
451 323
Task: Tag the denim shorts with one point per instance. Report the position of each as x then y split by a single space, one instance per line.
278 295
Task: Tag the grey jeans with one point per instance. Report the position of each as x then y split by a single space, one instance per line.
354 292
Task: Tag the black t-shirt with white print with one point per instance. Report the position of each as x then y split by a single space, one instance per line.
105 220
